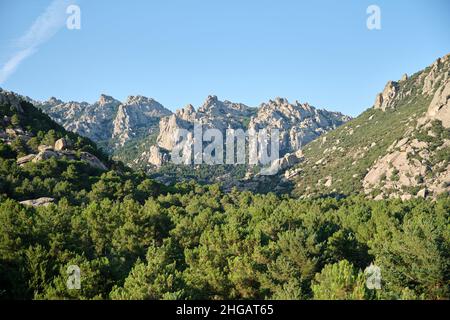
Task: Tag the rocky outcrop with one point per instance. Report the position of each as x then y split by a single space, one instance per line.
137 113
157 157
386 98
40 202
92 160
282 164
427 81
10 98
90 120
47 152
434 75
45 155
168 128
297 123
25 159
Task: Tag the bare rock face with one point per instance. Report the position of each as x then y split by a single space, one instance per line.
48 153
188 113
168 128
25 159
90 120
405 166
426 81
439 108
107 119
44 201
297 123
288 160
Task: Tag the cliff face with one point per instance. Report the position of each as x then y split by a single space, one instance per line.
138 113
140 131
297 123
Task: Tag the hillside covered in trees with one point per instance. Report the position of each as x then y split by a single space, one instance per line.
134 238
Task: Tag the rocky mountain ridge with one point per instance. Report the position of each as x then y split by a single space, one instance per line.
139 131
298 124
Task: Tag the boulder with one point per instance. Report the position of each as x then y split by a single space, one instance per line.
61 144
11 132
422 193
44 201
25 159
43 147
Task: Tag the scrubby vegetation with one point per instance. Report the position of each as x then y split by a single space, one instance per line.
351 149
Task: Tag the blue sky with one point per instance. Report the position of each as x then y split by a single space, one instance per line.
179 52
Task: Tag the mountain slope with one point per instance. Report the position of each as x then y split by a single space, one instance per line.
41 162
398 148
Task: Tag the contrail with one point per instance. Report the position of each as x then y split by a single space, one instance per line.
43 28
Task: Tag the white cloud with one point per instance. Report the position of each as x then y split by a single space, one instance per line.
42 29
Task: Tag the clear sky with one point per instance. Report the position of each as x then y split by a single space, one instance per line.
178 52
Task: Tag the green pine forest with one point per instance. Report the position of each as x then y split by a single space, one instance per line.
134 238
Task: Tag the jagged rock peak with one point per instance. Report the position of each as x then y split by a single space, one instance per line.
105 99
138 99
280 101
54 101
210 102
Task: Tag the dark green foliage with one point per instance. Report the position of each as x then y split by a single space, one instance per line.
201 243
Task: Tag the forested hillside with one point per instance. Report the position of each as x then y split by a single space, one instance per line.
133 238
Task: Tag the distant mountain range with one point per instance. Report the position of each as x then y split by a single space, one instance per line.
140 130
